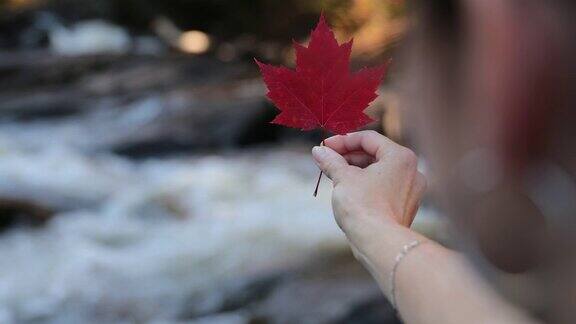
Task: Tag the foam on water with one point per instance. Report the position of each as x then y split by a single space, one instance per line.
144 236
134 240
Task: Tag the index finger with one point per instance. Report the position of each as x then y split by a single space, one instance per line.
370 142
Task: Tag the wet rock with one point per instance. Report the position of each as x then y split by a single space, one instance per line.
17 213
330 291
373 311
326 290
140 106
223 318
316 300
239 294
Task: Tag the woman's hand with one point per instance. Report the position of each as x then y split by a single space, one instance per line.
376 183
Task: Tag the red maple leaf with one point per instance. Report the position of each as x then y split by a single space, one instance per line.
321 92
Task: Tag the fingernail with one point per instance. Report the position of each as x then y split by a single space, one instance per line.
318 152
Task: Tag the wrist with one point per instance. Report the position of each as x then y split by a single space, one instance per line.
378 236
387 242
379 246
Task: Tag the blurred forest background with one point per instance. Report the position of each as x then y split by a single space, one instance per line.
141 181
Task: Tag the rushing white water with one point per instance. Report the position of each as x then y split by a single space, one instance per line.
142 236
135 240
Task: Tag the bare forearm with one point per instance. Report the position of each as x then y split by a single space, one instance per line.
434 284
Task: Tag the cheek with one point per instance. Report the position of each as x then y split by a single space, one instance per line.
510 231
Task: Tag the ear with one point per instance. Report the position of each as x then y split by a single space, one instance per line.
513 73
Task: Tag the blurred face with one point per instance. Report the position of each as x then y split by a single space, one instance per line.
469 76
491 107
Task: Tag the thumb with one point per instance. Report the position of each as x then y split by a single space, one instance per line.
332 163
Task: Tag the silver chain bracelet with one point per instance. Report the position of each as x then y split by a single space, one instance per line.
405 250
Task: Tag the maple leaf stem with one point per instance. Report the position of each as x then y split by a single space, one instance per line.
324 135
318 182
